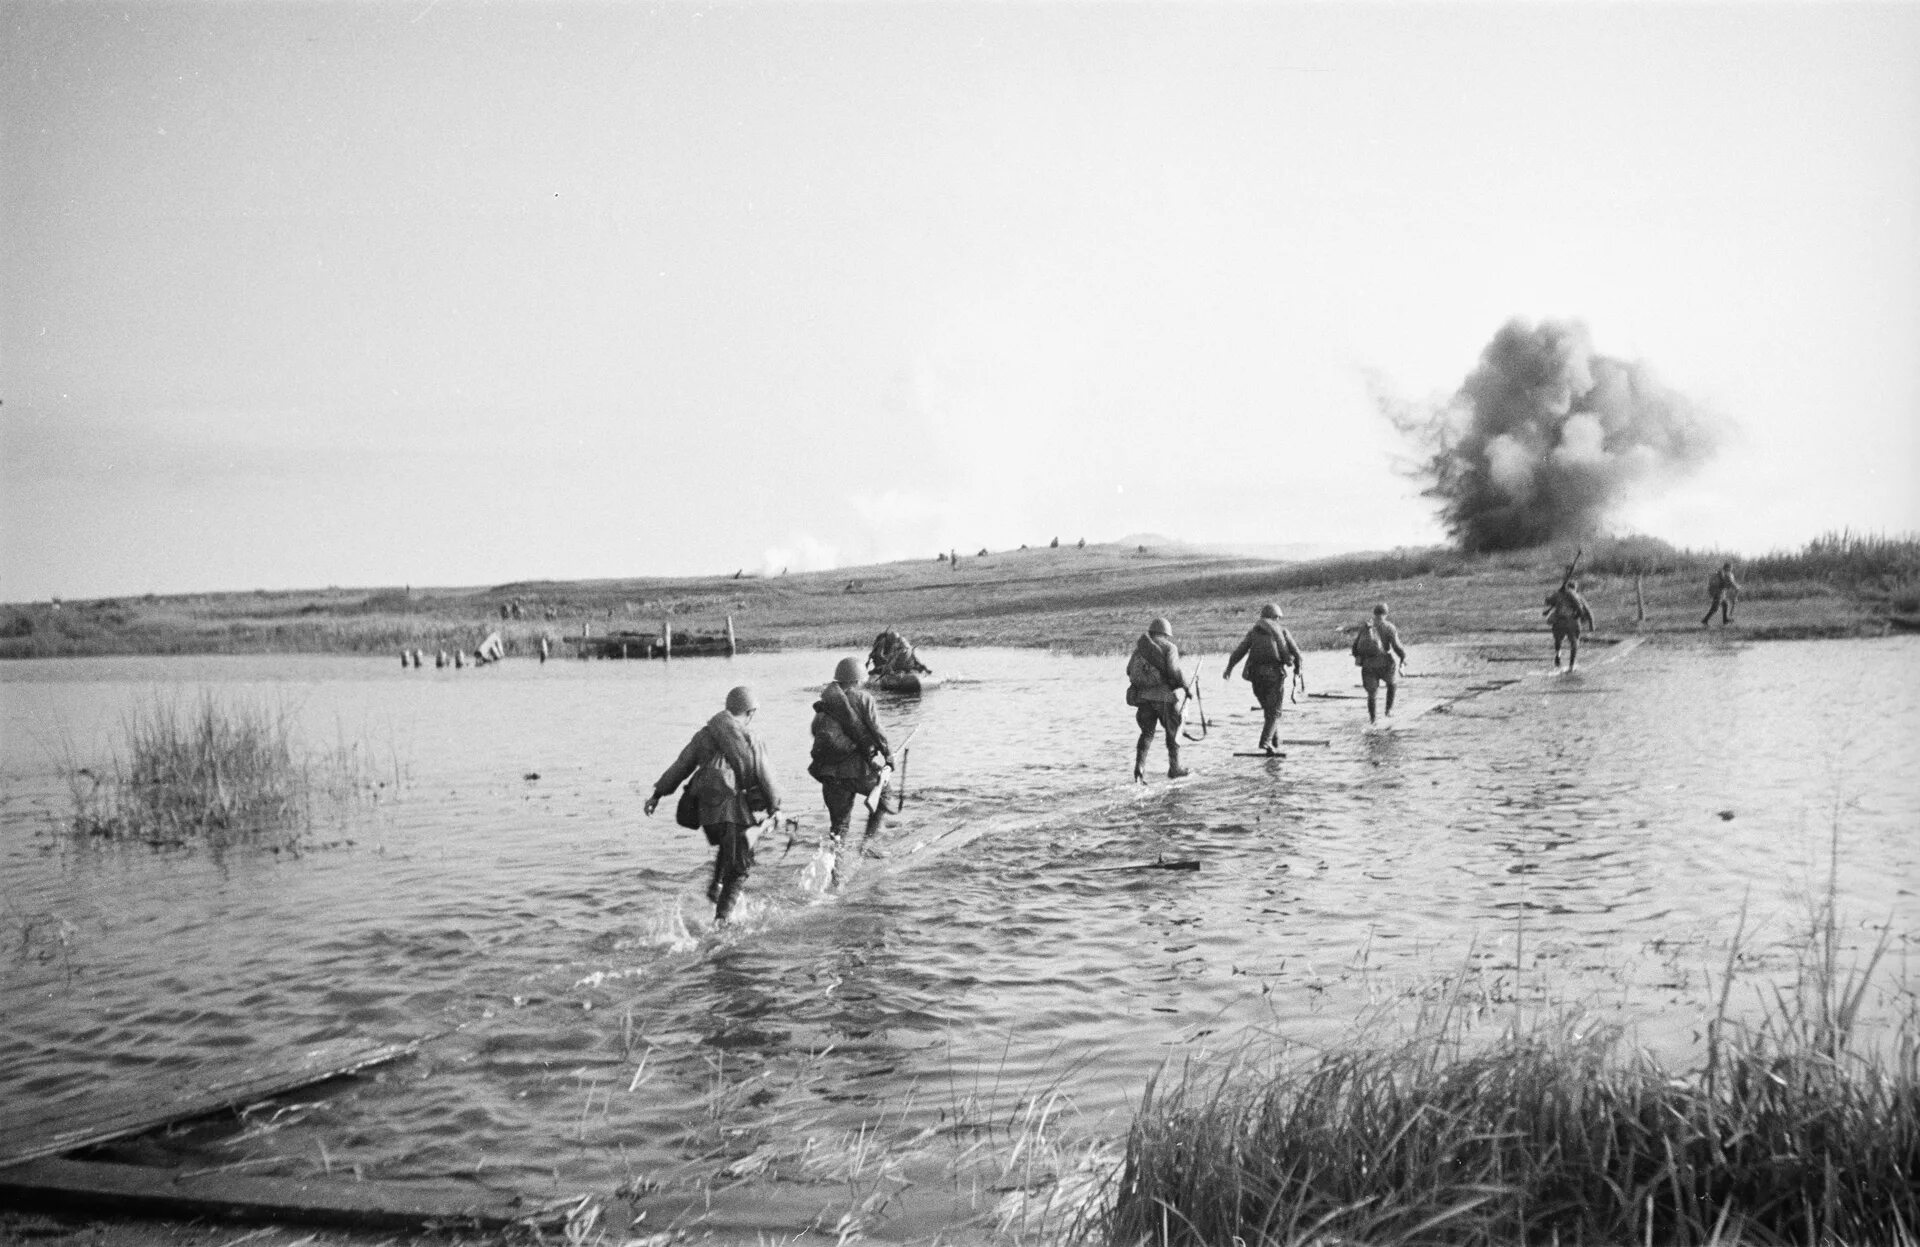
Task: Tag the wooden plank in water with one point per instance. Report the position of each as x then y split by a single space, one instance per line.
94 1187
190 1098
1183 864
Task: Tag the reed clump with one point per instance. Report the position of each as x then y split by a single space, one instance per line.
1869 560
1793 1131
209 770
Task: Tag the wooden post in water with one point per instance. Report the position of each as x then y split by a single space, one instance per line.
666 635
1639 600
730 646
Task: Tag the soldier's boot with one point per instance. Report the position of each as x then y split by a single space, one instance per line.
713 885
729 897
1140 760
1174 769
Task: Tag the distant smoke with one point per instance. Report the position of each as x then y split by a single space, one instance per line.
803 553
1545 437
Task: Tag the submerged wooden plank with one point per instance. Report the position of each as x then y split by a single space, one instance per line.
137 1189
195 1096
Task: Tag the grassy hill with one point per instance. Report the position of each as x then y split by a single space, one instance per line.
1094 599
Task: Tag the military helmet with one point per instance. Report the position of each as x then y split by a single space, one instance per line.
1160 627
847 672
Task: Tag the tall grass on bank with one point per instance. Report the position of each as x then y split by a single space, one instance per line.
209 770
1794 1131
1875 562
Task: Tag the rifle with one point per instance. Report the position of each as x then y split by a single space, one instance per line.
1193 687
1564 581
876 800
1568 578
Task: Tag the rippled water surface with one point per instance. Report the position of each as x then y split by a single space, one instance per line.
1605 828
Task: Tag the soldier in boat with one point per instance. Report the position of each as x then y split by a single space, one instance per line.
892 655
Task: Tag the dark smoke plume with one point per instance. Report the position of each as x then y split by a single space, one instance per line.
1545 437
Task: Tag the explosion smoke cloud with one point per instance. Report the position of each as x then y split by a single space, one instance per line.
1545 437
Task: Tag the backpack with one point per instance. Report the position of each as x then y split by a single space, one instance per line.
1267 650
830 741
1366 645
714 780
1142 672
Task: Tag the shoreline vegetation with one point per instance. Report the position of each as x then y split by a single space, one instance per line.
1084 600
1800 1124
217 773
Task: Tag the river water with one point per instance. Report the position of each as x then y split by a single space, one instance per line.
849 1053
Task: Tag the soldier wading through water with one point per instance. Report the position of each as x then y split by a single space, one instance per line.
1155 687
850 752
730 790
1270 651
1569 613
1378 653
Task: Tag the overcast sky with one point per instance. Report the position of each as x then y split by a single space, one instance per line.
453 293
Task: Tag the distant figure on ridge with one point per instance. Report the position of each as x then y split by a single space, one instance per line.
1378 653
1568 612
1155 687
1722 592
850 752
731 790
1269 650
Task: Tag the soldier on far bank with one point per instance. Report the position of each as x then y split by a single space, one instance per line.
1722 591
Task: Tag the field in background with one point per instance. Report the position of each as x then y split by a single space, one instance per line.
1086 600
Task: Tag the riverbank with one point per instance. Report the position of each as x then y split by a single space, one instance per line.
1084 600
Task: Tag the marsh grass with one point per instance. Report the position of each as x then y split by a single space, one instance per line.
211 771
1848 559
1801 1127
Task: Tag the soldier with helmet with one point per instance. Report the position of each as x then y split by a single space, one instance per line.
850 752
729 780
1155 688
1270 651
1568 612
